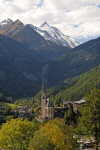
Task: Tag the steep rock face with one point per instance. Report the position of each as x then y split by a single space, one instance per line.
6 22
24 34
46 32
11 29
31 39
55 35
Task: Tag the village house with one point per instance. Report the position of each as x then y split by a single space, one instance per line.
24 114
74 105
67 104
78 104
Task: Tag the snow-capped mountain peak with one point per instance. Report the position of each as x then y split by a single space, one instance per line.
45 24
55 35
6 22
50 33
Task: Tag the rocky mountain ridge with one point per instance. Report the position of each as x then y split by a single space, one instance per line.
26 35
55 35
49 33
21 67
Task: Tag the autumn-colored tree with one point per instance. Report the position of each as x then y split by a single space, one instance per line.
16 134
54 135
89 123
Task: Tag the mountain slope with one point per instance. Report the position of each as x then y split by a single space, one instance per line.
23 33
10 29
74 89
6 22
77 61
82 85
55 35
31 39
20 69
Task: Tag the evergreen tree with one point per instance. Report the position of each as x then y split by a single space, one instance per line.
89 123
70 117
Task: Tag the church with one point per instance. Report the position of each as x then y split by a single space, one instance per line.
47 109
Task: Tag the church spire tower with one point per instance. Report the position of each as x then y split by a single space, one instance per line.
43 85
43 100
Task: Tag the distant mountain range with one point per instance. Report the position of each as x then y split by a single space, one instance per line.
12 29
31 39
25 55
55 35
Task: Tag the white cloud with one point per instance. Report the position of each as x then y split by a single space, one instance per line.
77 18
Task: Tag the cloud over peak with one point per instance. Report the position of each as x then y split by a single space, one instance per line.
76 18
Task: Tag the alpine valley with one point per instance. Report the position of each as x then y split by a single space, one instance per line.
27 52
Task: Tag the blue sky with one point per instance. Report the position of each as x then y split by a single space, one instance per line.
40 3
83 40
77 18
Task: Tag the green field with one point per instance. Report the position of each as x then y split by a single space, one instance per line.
8 104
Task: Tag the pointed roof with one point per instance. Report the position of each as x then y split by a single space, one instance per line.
43 85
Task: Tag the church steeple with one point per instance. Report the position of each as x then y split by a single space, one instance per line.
47 109
43 100
43 85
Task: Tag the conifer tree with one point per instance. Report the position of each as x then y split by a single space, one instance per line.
89 123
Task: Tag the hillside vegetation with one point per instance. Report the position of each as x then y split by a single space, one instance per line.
74 63
78 87
21 69
83 84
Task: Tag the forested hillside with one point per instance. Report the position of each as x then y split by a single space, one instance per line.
21 69
75 62
82 85
18 69
76 88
